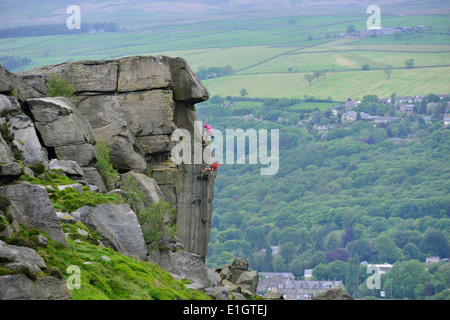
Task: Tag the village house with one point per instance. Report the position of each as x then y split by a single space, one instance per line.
446 120
349 116
398 140
349 104
326 127
381 119
308 274
335 111
228 104
432 259
404 100
291 289
405 108
382 268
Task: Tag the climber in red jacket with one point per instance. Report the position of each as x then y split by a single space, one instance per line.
212 167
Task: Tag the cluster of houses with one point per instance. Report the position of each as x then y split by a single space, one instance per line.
285 284
387 31
403 105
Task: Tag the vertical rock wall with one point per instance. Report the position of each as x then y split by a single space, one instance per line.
134 104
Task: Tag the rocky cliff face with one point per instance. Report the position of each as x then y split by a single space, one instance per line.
133 104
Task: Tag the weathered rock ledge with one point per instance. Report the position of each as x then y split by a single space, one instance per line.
133 104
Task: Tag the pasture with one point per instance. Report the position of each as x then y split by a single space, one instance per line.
271 56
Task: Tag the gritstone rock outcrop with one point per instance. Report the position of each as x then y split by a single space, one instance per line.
133 104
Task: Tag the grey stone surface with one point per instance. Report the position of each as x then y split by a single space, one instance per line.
186 86
13 84
8 105
25 138
189 266
145 185
86 75
118 225
13 257
19 287
93 177
59 122
31 206
143 73
69 167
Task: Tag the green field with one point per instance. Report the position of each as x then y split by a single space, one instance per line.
338 85
271 56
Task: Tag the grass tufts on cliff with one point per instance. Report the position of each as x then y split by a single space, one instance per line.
58 86
70 200
108 275
104 273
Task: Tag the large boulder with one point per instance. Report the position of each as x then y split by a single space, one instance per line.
8 105
12 84
93 178
248 280
31 206
63 128
10 170
123 148
241 282
334 293
14 257
26 140
86 75
19 287
143 184
133 124
185 265
59 122
186 86
143 73
238 267
69 167
117 225
6 85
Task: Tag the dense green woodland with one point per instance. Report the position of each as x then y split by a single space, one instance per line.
339 198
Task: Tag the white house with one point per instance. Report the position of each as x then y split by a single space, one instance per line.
446 120
431 259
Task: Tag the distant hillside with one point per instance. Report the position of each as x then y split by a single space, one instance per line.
136 12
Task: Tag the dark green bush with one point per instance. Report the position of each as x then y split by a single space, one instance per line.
53 272
38 169
4 202
58 87
27 272
22 242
